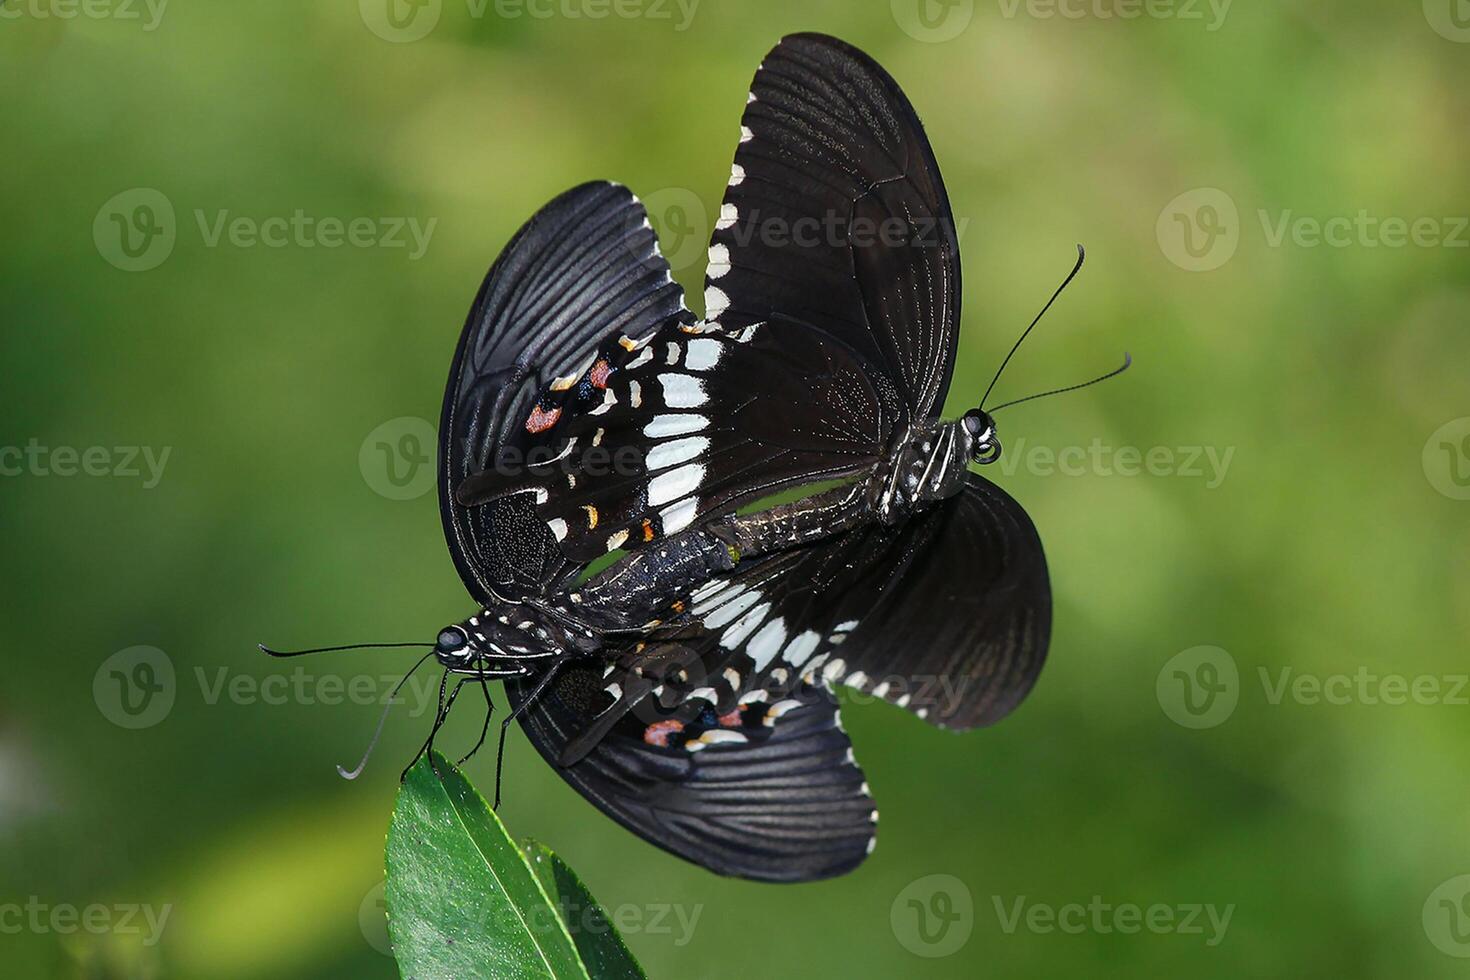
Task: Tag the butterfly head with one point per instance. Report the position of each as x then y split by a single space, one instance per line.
984 442
508 632
452 647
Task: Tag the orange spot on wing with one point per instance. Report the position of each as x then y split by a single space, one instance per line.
731 719
647 529
540 420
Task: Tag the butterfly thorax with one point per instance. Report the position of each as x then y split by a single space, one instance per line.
926 463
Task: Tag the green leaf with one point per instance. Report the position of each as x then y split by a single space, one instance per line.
602 948
462 900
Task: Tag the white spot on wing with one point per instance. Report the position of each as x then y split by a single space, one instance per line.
801 647
703 354
729 214
715 302
644 356
763 646
682 391
678 516
674 484
558 528
719 261
737 174
663 426
728 610
675 451
616 541
744 626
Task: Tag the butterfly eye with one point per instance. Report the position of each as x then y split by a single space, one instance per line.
450 640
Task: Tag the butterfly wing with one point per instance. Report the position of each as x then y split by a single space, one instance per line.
959 633
836 215
584 268
692 425
787 804
833 299
948 616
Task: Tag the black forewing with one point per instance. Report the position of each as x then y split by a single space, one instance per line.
836 215
695 424
584 268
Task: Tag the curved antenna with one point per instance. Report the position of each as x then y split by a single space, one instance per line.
382 719
350 646
1127 363
1081 256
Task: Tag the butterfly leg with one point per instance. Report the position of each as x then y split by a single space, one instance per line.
446 701
485 727
530 699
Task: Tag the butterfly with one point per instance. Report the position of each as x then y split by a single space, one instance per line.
686 689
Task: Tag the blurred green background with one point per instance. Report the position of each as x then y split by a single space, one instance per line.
1193 149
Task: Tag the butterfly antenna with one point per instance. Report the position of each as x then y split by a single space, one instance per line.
1081 256
1127 362
382 719
350 646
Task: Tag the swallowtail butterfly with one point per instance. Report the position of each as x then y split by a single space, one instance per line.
686 689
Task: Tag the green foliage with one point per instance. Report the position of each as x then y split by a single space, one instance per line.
463 900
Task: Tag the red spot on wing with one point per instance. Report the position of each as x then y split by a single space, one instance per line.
731 719
659 732
598 374
540 419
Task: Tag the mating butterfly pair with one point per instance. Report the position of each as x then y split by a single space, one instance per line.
686 689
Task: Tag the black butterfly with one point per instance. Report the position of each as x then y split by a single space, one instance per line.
686 689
